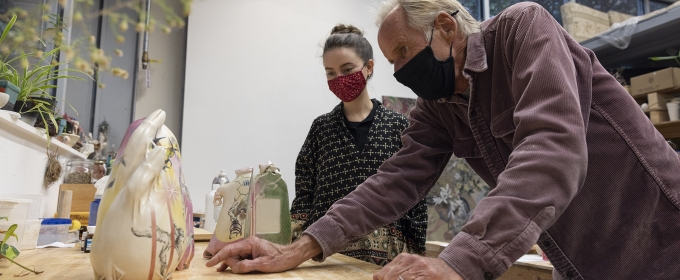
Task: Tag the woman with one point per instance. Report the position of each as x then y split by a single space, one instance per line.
347 145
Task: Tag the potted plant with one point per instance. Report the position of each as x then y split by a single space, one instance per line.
6 87
10 252
34 82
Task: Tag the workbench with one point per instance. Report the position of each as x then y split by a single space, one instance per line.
71 263
529 270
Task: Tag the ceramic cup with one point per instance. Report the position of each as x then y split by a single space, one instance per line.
4 98
673 111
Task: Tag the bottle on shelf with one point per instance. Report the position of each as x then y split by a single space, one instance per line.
212 212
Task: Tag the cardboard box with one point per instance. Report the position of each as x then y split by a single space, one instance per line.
659 116
657 100
83 195
583 22
616 17
660 81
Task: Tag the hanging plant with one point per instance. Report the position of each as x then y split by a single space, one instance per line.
53 170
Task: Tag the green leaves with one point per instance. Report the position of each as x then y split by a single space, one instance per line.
7 28
660 58
10 252
7 250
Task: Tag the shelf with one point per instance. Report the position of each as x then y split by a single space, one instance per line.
653 36
16 127
669 129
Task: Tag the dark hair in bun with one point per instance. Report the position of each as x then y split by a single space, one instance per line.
346 29
348 36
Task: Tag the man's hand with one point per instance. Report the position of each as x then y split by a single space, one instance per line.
408 267
254 254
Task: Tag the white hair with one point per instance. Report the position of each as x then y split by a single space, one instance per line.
422 13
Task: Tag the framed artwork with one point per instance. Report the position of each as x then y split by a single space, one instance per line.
456 193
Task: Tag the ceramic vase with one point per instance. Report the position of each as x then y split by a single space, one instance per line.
233 198
145 220
268 214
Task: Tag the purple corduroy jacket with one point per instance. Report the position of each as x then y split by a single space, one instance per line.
575 166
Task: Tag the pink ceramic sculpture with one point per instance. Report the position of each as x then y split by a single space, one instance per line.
145 220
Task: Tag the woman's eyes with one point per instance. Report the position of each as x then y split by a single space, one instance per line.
344 72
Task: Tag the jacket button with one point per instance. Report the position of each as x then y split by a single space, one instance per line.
547 243
569 274
488 276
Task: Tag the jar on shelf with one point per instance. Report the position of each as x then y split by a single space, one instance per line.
79 172
99 169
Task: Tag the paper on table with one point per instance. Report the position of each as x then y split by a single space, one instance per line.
56 245
530 258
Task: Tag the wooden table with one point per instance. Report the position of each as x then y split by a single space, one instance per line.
71 263
530 270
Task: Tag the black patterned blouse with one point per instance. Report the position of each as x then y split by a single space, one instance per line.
328 169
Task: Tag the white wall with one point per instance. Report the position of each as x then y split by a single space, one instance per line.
255 82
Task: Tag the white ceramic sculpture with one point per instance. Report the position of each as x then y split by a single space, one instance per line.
145 219
233 197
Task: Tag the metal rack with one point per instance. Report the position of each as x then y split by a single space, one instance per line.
653 37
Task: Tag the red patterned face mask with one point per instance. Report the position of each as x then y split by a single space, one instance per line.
348 87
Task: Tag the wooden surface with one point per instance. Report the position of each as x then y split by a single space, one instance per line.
521 272
669 129
433 248
83 195
64 204
201 235
529 270
71 263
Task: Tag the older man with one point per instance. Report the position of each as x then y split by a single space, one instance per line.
574 164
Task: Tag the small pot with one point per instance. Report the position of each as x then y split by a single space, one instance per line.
72 139
12 90
24 106
4 99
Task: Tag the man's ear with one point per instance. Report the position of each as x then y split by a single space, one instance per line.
445 23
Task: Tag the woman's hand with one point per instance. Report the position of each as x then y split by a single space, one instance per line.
255 254
408 267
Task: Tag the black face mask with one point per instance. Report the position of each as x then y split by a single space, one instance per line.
428 77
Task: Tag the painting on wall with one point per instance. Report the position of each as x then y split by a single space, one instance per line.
456 193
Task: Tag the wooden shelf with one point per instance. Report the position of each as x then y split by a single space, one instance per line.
669 129
10 126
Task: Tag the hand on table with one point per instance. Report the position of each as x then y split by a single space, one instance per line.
255 254
408 267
